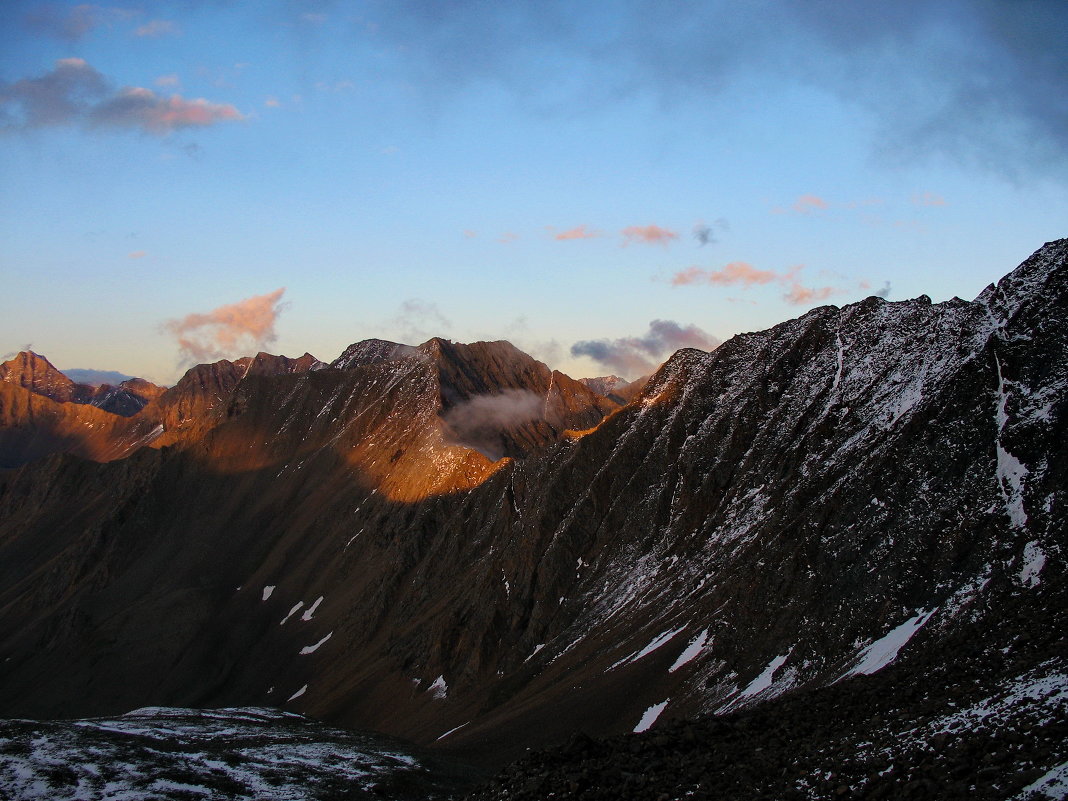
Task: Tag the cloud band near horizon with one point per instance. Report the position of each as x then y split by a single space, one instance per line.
636 356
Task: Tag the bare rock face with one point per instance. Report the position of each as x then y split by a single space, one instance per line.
203 387
867 488
35 373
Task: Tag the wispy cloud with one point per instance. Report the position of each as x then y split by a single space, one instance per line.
27 348
226 330
480 421
805 204
648 235
417 321
134 107
137 254
928 199
705 233
508 237
578 232
800 295
745 275
74 93
73 23
636 356
155 28
168 80
737 273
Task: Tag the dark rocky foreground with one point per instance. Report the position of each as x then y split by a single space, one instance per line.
931 728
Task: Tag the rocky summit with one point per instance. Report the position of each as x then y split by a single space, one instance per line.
824 560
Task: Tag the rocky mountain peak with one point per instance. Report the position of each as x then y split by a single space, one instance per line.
371 351
34 372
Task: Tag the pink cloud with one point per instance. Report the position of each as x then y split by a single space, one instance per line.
737 273
648 234
745 275
800 295
806 204
248 324
928 199
579 232
469 234
508 237
137 254
74 93
136 107
272 102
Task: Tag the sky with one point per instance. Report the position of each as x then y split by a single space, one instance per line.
599 183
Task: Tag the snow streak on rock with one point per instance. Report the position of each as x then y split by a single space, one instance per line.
649 716
885 650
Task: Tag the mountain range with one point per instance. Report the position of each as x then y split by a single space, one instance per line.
855 518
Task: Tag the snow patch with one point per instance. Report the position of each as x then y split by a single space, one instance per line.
1010 470
297 694
311 609
1053 785
1034 560
267 591
450 731
763 681
695 647
883 651
649 716
439 689
659 640
293 611
310 649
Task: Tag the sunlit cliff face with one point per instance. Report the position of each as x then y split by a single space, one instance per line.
379 423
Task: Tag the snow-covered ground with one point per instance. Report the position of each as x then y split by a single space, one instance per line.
155 753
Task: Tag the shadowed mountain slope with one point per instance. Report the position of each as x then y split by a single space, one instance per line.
797 509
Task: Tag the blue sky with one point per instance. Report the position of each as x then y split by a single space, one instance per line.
606 180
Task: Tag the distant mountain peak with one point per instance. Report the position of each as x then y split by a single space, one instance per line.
95 378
